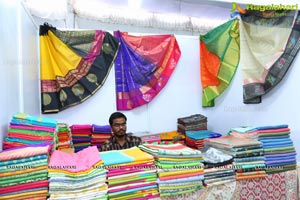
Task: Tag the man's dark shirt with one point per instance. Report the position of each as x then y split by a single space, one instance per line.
112 144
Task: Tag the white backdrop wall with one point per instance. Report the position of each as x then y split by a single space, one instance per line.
180 97
18 63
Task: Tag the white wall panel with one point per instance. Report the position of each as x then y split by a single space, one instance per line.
9 64
30 64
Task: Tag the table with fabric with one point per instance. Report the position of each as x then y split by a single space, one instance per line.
282 185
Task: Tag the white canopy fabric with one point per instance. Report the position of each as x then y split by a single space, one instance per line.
189 16
192 17
48 9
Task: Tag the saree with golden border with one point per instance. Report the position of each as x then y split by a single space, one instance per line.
74 65
143 67
219 58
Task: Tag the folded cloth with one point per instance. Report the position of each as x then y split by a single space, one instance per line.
101 129
197 118
25 119
132 154
75 162
23 160
30 127
202 134
23 152
249 129
170 149
24 186
81 127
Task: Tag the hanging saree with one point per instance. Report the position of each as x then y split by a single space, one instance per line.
269 42
74 65
219 58
143 67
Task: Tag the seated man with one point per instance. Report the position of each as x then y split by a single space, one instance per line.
119 139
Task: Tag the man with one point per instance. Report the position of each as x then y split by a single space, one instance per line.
119 139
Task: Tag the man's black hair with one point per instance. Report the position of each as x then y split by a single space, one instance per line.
116 115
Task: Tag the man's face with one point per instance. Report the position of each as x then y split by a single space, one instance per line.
119 127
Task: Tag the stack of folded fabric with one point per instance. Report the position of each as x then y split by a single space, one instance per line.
26 130
64 136
100 134
195 139
131 174
219 175
81 136
218 167
151 138
23 172
77 176
279 151
248 160
180 168
191 123
172 137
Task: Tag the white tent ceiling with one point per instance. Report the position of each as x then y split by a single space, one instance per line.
194 16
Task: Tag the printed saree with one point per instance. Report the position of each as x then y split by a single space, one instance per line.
270 41
219 58
143 67
74 65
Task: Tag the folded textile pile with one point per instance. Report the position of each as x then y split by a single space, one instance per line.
219 175
248 160
279 150
191 123
151 138
23 172
81 136
131 174
180 168
26 130
195 139
64 136
100 134
77 176
218 167
172 137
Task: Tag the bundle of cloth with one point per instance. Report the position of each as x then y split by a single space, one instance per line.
131 174
279 150
81 136
23 172
218 167
64 136
78 175
191 123
100 133
179 168
25 129
248 160
195 139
